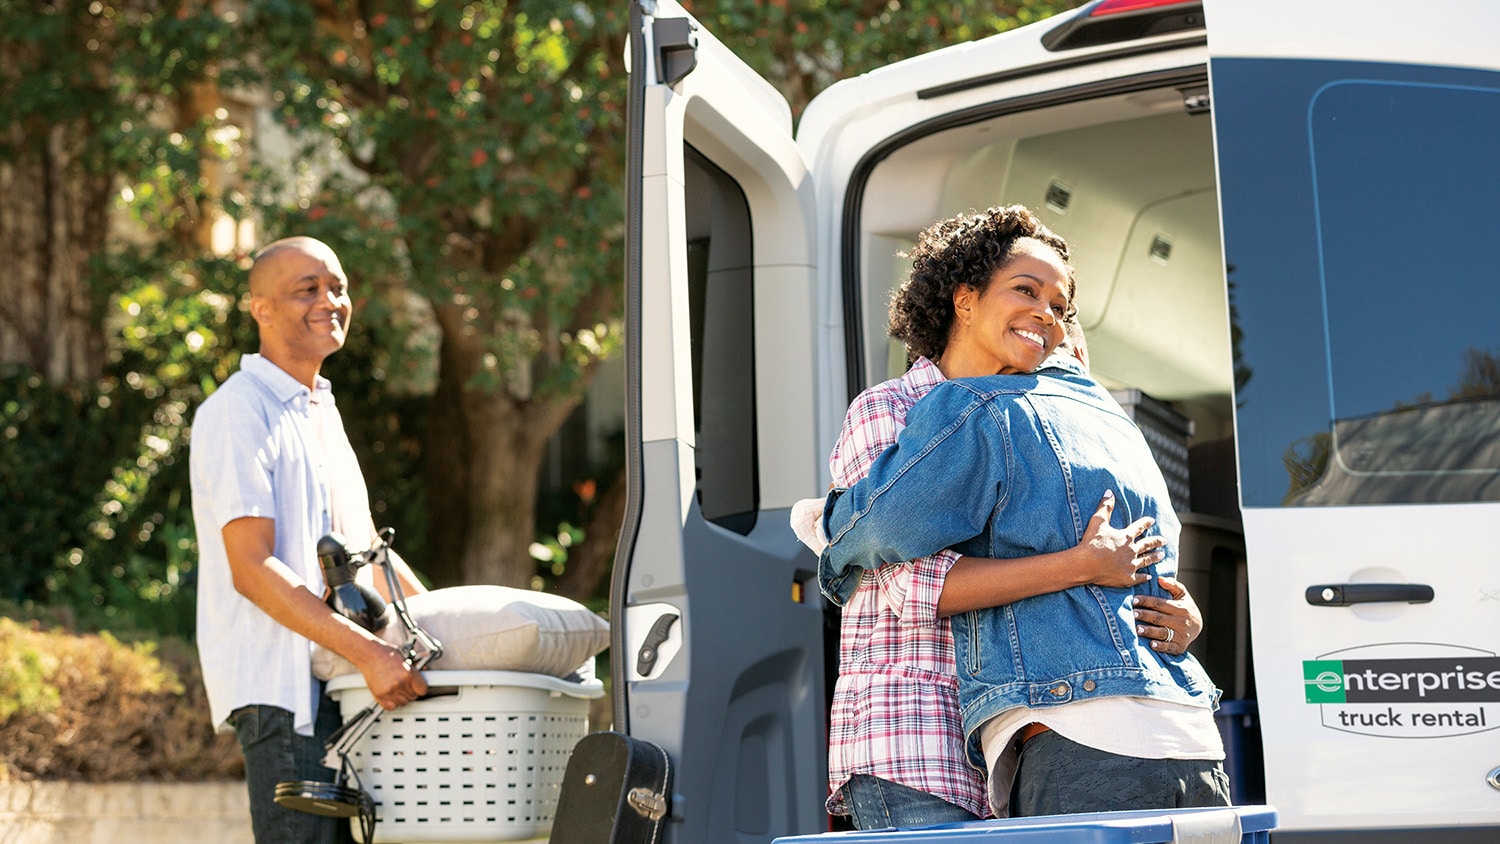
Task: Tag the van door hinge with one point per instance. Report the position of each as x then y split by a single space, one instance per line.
676 49
647 803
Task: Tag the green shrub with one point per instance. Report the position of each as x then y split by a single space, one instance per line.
91 708
24 669
94 512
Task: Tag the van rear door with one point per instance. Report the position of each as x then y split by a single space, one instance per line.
719 628
1360 197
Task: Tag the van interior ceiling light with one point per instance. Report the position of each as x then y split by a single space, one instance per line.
364 607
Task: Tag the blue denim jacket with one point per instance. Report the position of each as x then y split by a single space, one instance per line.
1013 466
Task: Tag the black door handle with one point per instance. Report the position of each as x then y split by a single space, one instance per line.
1344 594
645 658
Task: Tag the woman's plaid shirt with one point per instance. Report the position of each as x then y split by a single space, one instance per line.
895 706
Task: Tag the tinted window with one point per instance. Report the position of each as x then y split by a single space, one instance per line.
722 316
1361 205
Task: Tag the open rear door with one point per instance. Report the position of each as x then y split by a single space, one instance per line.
719 628
1356 158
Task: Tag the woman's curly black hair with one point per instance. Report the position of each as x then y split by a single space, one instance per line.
967 249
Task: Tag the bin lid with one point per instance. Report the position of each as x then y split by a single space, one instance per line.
1140 827
588 689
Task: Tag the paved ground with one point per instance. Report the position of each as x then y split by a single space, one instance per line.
126 813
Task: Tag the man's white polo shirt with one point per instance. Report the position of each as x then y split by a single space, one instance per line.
255 452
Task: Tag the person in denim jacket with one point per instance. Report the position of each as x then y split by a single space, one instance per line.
1062 700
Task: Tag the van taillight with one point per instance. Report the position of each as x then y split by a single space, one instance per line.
1115 7
1118 21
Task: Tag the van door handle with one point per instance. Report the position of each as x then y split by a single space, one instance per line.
645 658
1344 594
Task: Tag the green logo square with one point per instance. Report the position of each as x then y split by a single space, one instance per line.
1324 680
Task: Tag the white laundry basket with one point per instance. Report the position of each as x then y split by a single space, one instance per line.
482 759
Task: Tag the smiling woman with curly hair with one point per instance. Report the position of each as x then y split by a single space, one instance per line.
990 292
963 250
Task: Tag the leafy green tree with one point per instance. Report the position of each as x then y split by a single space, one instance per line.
491 130
1480 377
120 159
490 133
110 134
477 175
56 182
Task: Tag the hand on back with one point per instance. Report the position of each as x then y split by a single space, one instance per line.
1110 556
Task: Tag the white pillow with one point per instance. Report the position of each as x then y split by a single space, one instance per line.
492 628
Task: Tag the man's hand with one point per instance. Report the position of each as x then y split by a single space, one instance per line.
266 581
1111 557
390 681
1171 625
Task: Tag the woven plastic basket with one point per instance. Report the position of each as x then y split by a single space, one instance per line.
480 759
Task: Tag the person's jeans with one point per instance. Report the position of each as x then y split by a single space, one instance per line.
274 753
1057 776
875 803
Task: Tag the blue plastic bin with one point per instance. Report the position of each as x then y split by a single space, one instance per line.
1215 826
1239 725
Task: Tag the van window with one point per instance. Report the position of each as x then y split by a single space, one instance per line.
1360 220
722 319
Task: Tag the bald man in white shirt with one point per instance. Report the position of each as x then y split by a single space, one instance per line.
272 472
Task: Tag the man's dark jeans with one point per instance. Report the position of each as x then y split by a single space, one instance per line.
1060 777
274 753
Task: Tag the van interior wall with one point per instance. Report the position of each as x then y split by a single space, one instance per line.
1134 195
1130 182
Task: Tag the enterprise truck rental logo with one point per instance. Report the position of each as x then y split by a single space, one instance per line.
1389 690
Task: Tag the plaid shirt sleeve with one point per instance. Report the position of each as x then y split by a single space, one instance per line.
873 422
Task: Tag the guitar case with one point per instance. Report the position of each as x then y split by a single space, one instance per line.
616 790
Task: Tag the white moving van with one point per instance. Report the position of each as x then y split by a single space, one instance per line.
1286 220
